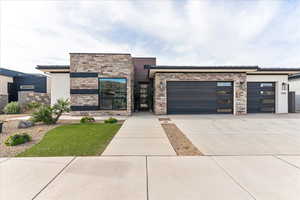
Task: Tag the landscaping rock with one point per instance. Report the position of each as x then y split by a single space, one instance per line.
25 124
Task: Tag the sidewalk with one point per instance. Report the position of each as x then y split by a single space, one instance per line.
151 178
140 134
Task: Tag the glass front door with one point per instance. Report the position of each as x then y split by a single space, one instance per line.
143 96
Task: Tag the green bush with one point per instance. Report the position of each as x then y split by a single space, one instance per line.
84 120
43 114
33 106
17 139
111 120
50 115
12 108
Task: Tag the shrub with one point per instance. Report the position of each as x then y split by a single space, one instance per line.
17 139
87 119
50 115
33 106
43 114
12 108
111 120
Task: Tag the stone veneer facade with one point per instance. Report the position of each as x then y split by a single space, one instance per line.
3 101
106 66
25 97
239 80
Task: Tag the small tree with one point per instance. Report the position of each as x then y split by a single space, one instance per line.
50 115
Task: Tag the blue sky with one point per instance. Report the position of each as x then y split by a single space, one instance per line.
189 32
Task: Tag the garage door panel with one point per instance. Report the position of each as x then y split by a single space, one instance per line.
196 97
260 97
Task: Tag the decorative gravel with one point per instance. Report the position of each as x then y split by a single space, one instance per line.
181 144
10 128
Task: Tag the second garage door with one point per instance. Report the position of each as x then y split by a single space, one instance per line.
261 97
197 97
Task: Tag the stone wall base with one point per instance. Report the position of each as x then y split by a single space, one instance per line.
25 97
3 101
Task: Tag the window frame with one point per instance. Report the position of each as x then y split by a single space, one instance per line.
112 99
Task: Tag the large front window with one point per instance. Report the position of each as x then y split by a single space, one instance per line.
113 93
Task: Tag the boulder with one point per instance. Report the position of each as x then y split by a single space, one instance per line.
25 124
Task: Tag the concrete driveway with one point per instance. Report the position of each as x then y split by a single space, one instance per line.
252 134
151 178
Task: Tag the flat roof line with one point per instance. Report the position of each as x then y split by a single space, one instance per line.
104 53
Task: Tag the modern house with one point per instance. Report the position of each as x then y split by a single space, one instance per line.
22 87
119 84
294 83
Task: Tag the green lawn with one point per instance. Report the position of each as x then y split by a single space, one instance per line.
74 140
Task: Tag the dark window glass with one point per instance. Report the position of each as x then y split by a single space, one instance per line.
267 92
266 85
224 84
224 110
224 92
224 101
113 93
27 87
267 101
268 109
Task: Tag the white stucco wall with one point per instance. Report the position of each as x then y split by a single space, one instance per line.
3 83
60 86
295 87
281 97
49 85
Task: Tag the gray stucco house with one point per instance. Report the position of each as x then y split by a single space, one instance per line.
119 84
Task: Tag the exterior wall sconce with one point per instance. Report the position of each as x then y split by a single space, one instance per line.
284 86
161 85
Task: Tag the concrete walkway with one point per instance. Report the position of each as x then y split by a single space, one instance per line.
140 134
151 178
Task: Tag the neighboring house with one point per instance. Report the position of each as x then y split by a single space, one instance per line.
22 87
294 83
102 83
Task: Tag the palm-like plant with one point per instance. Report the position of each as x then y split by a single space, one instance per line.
59 108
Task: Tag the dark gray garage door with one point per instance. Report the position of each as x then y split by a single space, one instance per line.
197 97
260 97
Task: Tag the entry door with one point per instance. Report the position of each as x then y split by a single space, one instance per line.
260 97
197 97
144 96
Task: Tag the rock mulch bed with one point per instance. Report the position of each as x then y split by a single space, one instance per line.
181 144
10 128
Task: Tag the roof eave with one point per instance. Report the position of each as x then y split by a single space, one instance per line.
153 71
53 68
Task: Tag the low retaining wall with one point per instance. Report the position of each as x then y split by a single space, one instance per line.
25 97
3 101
